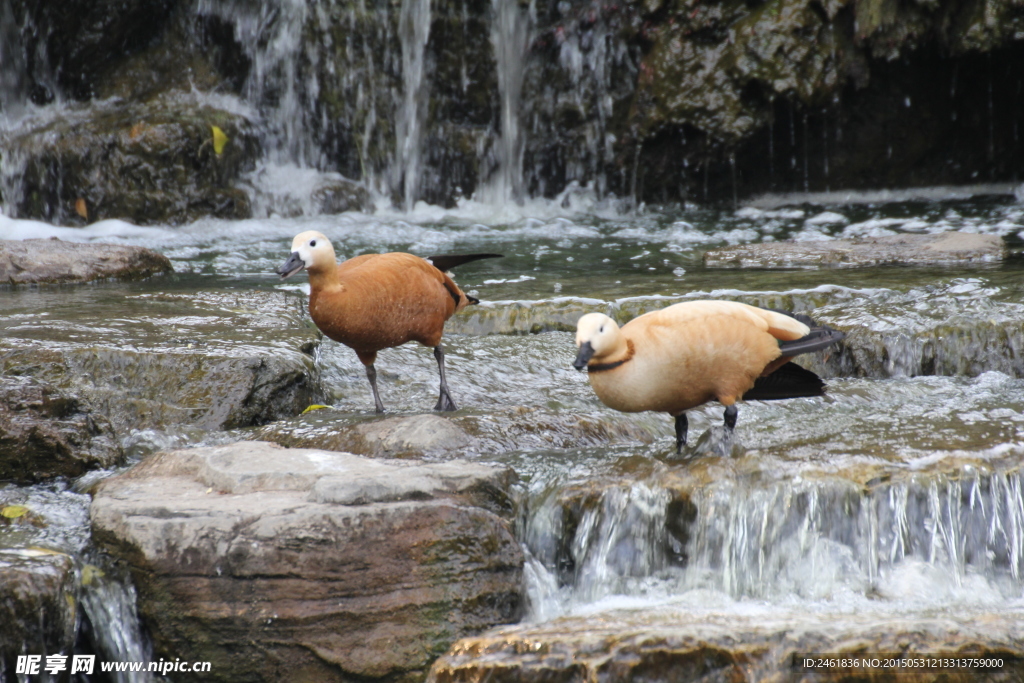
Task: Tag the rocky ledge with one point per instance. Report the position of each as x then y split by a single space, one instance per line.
54 261
679 644
947 248
312 565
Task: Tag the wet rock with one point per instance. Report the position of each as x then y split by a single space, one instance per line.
947 248
676 644
46 433
152 162
281 563
418 434
55 261
37 606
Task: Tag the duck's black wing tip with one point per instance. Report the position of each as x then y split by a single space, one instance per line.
445 262
789 381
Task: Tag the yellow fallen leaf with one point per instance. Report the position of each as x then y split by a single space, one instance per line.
90 573
314 407
13 511
39 551
81 209
219 139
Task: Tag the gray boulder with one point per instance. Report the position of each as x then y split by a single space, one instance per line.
52 261
305 564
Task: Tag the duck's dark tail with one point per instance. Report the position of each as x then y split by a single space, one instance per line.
820 337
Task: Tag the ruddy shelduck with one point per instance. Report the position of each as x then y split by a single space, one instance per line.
378 301
694 352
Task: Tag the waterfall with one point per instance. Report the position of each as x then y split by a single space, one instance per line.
413 32
110 605
278 85
926 538
510 36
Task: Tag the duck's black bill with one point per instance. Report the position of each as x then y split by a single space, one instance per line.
583 357
293 265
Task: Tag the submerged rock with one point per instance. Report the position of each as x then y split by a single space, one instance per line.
277 563
679 644
45 433
946 248
38 607
211 360
55 261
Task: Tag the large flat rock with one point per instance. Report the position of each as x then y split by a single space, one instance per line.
947 248
304 564
54 261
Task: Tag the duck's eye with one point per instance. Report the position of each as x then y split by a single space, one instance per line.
601 331
312 243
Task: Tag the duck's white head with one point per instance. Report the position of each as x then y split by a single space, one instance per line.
310 250
597 336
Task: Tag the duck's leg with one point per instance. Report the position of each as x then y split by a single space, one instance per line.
444 401
371 374
730 416
681 426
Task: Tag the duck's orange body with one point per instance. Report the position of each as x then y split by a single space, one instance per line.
691 353
378 301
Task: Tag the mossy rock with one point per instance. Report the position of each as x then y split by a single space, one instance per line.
153 162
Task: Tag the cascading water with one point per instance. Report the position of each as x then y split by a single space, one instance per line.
925 541
110 605
510 36
278 84
413 31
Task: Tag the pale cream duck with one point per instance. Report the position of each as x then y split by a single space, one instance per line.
378 301
694 352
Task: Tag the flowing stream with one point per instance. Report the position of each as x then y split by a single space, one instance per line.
898 493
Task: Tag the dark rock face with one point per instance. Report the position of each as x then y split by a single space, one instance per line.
37 606
312 565
54 261
659 100
46 433
71 44
148 163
